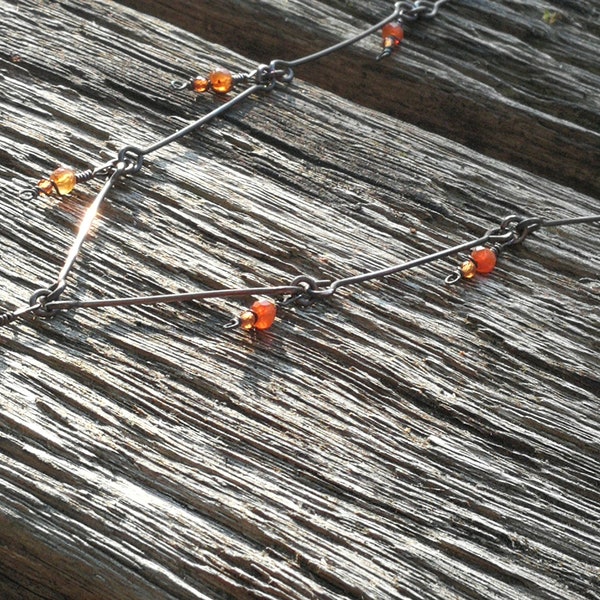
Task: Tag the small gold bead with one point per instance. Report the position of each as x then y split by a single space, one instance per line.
247 320
468 269
200 85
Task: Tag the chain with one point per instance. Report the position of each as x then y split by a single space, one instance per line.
409 11
304 289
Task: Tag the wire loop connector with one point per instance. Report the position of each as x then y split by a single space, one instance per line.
130 161
40 299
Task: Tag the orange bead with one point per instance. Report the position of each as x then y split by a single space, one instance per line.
62 181
468 269
264 311
394 31
484 259
200 85
221 81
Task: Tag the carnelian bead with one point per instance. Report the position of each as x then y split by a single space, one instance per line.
484 259
394 31
468 269
221 81
62 181
200 85
264 311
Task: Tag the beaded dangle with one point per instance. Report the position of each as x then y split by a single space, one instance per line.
219 80
61 182
392 35
482 260
259 316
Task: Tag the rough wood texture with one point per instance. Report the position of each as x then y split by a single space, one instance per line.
517 81
402 440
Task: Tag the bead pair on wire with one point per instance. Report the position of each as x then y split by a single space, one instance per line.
220 81
62 181
512 231
482 260
392 35
260 316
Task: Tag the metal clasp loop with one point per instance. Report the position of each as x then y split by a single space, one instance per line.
40 298
410 11
276 70
514 230
313 290
179 85
281 70
527 226
29 194
129 160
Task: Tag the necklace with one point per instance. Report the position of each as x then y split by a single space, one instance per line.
303 289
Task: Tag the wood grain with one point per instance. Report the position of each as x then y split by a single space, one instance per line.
516 81
402 440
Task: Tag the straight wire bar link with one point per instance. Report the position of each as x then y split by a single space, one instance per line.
304 289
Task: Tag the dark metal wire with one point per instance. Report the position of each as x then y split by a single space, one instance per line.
174 298
9 317
571 221
417 262
305 289
226 107
86 224
402 11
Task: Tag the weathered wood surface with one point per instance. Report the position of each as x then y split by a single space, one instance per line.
518 81
402 440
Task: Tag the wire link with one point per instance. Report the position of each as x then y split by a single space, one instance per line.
410 11
40 299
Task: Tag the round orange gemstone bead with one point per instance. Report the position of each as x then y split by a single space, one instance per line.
200 85
64 180
393 30
221 81
264 312
484 259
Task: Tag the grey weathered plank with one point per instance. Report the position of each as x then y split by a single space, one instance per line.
402 440
515 80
